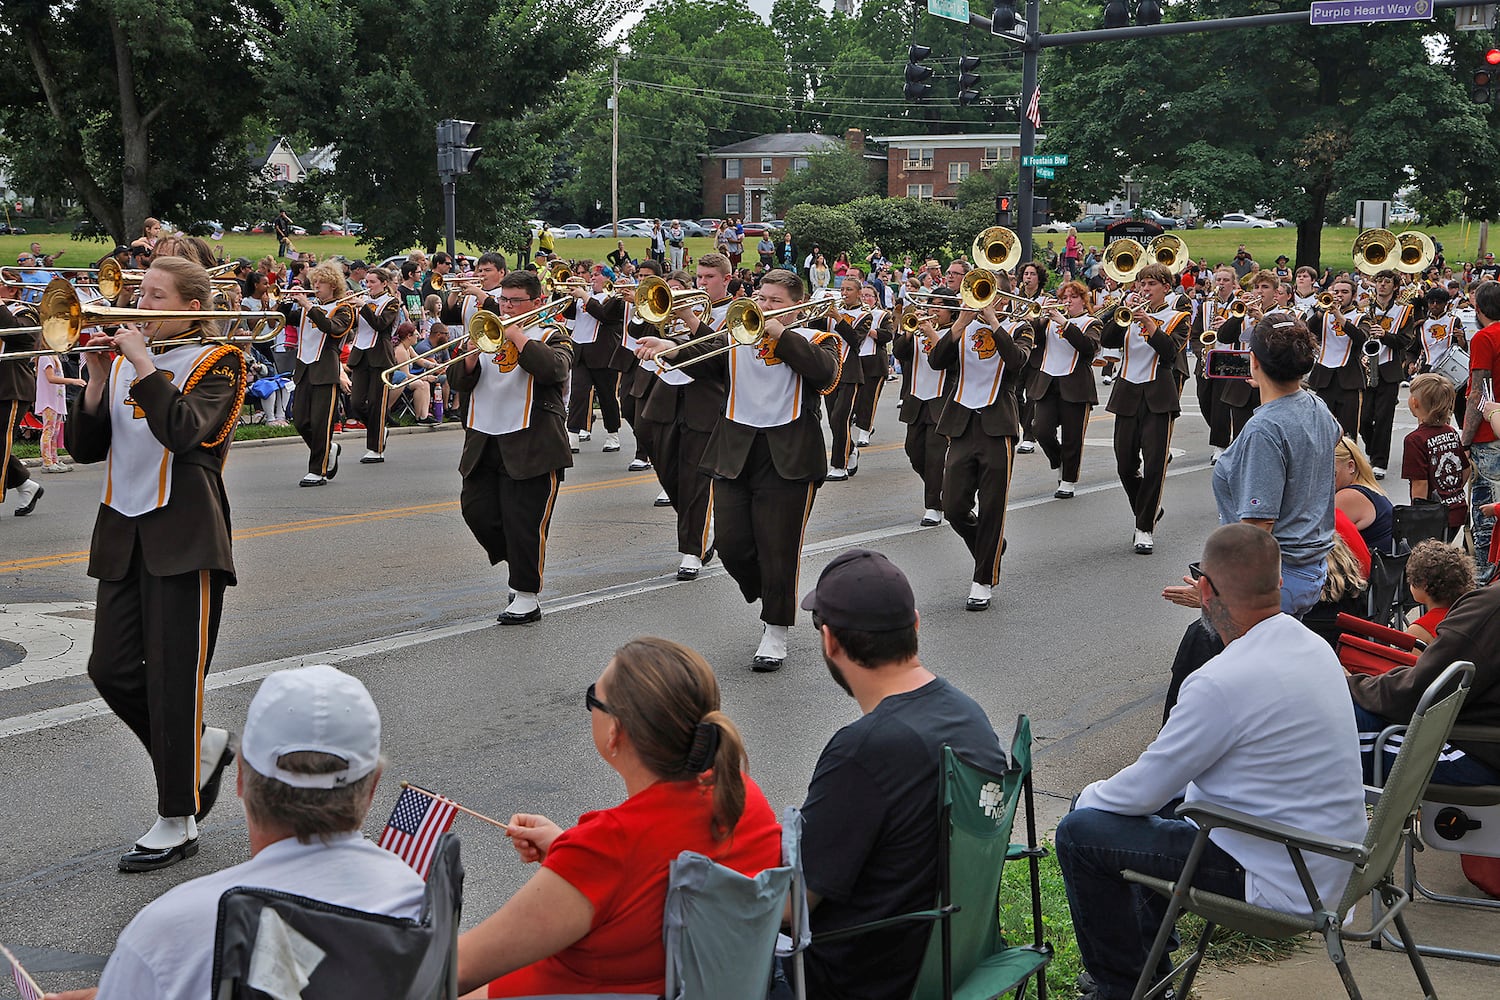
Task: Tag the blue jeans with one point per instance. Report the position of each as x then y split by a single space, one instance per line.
1116 920
1302 586
1486 489
1454 767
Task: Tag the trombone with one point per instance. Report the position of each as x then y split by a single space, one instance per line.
656 301
745 322
64 316
485 330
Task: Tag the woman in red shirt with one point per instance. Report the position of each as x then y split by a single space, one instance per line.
590 919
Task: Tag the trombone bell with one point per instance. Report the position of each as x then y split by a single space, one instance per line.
655 300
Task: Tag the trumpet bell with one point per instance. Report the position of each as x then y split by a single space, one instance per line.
1238 308
1372 250
1123 260
1170 250
1325 300
997 249
1416 252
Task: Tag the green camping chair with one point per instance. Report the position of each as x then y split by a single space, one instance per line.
968 959
1373 860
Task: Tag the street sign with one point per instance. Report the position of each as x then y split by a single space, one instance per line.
1049 160
953 10
1045 173
1369 11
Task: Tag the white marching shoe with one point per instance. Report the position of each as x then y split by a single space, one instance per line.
931 518
771 653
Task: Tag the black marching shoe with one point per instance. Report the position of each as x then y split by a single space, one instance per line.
333 466
524 618
140 859
766 664
209 793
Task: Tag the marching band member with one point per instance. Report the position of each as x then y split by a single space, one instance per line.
873 362
767 455
371 355
598 322
986 357
1212 314
1338 377
1062 385
1440 331
682 412
925 390
163 417
853 322
318 371
17 393
1392 322
515 443
1305 291
1032 278
1146 398
1238 399
630 403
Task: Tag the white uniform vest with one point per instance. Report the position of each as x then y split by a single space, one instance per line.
1333 351
364 333
1437 338
1060 357
926 381
867 347
1388 319
1140 359
680 377
586 327
980 367
138 473
309 337
763 389
501 402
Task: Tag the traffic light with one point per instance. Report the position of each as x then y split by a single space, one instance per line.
454 157
968 81
1485 78
1002 209
1116 14
1004 19
917 88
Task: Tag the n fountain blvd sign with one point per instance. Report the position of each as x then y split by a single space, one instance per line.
1369 11
1045 160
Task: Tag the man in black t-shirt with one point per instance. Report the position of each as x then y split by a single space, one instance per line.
870 822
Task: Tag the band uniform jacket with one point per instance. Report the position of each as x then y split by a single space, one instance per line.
1002 418
797 448
852 372
543 446
700 403
874 366
326 368
640 378
608 348
1078 385
17 378
1399 336
1202 323
1163 393
382 353
914 410
192 531
452 314
1350 375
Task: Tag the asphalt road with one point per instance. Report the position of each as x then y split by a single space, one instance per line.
377 572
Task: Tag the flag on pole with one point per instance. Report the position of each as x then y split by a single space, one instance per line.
25 985
416 823
1034 109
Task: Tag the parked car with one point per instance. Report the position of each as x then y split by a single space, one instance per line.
571 231
1165 221
757 229
11 230
331 229
1402 213
1096 223
354 228
628 227
1054 226
691 228
1284 224
1239 220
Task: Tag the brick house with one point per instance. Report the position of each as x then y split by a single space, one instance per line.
737 177
930 167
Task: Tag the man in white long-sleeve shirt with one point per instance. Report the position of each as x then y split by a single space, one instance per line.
1265 727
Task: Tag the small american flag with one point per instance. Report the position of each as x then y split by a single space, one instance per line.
25 985
412 832
1034 109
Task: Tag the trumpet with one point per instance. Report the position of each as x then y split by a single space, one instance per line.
1324 300
485 330
745 322
912 320
63 318
655 300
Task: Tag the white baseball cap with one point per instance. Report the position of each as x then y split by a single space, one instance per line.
316 708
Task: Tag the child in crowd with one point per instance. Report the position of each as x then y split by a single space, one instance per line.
1437 575
1433 460
52 406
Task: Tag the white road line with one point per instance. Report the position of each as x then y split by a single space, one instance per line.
63 715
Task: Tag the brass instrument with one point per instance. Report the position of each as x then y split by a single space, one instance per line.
745 323
1416 252
655 300
1372 250
912 320
1208 338
1170 251
996 249
1324 300
1123 260
485 330
1372 347
64 316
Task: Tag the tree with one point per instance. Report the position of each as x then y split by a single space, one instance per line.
342 74
832 229
901 226
830 178
1310 121
975 200
135 108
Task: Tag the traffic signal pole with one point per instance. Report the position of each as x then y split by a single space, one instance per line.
1030 72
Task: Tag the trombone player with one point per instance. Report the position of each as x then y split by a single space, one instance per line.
925 390
597 320
17 390
515 443
163 416
766 453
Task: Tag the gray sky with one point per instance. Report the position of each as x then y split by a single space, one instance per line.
761 7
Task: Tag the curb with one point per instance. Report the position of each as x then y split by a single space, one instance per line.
36 463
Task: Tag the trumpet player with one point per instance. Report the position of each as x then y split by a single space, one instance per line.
925 390
1338 375
874 351
1213 313
598 323
163 416
766 453
1146 397
1062 383
1392 322
515 442
17 390
986 357
371 354
852 321
1031 277
318 370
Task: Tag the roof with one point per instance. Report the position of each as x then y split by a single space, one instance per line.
259 155
951 141
780 143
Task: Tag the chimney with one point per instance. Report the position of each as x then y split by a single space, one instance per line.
854 138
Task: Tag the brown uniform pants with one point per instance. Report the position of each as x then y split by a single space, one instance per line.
759 518
979 466
510 517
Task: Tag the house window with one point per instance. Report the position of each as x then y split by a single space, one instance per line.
989 158
799 163
958 171
919 159
921 192
731 169
731 204
283 171
765 164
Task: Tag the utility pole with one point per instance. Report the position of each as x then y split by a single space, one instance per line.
614 146
1026 179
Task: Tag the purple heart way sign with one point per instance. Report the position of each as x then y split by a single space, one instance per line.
1369 11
